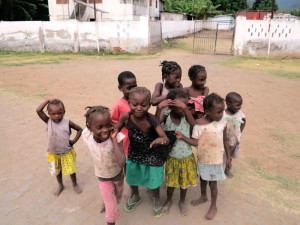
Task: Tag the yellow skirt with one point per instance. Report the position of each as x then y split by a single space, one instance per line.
181 172
65 163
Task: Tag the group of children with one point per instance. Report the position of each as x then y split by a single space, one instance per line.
147 148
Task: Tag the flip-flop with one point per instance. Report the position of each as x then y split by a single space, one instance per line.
131 205
157 210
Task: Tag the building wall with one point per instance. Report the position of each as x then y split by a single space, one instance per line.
265 38
172 16
173 29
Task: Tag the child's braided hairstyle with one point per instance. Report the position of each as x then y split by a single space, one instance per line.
94 110
210 100
140 90
168 67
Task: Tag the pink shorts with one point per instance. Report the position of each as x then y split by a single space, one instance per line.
111 192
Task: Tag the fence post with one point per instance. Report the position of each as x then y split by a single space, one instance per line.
42 39
216 37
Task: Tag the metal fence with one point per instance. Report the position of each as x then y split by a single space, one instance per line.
213 37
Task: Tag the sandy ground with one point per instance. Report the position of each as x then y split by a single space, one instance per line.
26 185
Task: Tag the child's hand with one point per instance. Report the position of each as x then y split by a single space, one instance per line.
113 133
179 135
228 164
178 103
71 142
159 141
164 103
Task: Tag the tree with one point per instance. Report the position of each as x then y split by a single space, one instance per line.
264 5
20 10
231 6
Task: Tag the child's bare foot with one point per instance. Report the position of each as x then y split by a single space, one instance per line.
199 201
167 206
102 208
77 189
59 190
183 209
228 174
211 213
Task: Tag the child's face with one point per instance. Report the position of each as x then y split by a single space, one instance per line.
174 79
215 113
139 104
128 84
200 80
101 127
235 104
56 113
179 111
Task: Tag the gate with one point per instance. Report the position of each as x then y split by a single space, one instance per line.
213 37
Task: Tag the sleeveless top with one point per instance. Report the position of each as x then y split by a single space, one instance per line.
139 148
180 149
58 136
210 147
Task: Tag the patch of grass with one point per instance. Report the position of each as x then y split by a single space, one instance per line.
42 95
278 199
287 68
253 162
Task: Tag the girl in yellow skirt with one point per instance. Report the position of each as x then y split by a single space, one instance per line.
61 154
180 169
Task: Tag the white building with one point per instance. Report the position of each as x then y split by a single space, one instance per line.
106 10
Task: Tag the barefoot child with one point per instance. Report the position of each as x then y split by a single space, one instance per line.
171 77
210 135
180 169
236 122
146 153
106 148
61 154
197 91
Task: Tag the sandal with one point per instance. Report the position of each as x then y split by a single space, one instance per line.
129 206
157 210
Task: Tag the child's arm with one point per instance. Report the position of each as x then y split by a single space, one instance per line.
40 111
160 106
206 91
79 131
243 124
190 141
118 148
189 117
121 123
227 149
156 96
163 139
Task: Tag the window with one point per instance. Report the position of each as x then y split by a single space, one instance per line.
61 1
97 1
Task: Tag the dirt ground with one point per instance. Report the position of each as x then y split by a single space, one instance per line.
265 189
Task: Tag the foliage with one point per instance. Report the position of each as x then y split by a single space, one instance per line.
231 6
201 9
294 12
21 10
264 5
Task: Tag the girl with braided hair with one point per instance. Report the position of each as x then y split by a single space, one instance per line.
61 154
106 147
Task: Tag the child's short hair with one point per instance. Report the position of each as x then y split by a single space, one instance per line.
210 100
168 67
194 70
140 90
231 95
56 102
176 93
125 75
94 110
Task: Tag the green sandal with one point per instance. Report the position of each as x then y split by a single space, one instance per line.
129 206
157 210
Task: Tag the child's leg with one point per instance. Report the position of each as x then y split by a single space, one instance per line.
168 202
76 188
203 197
60 185
182 205
108 192
213 207
134 199
157 207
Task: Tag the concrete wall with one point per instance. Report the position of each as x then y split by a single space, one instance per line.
267 38
173 29
131 36
172 16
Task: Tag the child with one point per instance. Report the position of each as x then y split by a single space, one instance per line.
171 77
61 154
197 91
127 81
146 156
106 148
210 135
180 170
236 122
